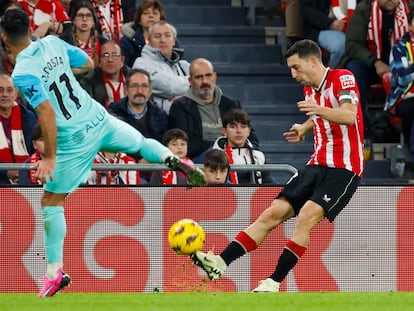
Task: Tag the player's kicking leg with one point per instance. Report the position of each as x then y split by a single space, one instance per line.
194 175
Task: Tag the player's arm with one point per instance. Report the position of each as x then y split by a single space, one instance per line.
345 114
32 88
47 120
80 62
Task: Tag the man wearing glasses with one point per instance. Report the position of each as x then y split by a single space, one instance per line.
106 83
137 109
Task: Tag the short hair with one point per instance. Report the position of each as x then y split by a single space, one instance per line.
37 132
305 49
15 24
236 116
145 5
106 42
133 72
216 159
162 22
174 134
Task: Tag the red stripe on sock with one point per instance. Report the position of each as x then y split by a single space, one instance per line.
246 241
297 249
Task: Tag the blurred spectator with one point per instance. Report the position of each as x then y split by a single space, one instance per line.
82 32
46 16
135 33
140 111
321 28
65 5
373 29
177 141
343 10
216 167
106 83
400 100
293 21
169 73
199 112
235 142
111 15
113 177
16 124
6 63
27 177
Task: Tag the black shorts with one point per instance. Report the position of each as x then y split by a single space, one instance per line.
331 188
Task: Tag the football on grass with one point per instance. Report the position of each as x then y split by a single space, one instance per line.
186 237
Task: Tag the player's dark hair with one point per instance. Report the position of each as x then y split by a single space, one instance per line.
236 116
305 49
15 24
134 71
174 134
216 159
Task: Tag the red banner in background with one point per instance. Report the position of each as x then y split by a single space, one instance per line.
117 240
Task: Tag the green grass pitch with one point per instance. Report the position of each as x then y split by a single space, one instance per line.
202 301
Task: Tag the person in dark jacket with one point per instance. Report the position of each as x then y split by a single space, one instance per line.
200 111
135 33
320 27
373 29
140 111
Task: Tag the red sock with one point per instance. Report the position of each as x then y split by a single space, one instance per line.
246 241
295 248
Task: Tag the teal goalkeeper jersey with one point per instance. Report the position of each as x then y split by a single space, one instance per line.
43 72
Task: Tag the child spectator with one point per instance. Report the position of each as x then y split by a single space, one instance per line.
114 177
177 141
28 177
235 142
216 167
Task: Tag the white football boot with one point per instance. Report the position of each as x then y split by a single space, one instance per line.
267 286
212 264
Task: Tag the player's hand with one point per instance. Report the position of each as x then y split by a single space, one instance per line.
295 134
45 168
310 107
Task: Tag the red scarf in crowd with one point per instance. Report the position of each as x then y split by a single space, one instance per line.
118 92
338 13
232 174
18 151
114 25
375 25
34 158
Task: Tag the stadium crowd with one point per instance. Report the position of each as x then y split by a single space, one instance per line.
178 94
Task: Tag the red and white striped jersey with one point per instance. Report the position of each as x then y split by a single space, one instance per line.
335 145
130 177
